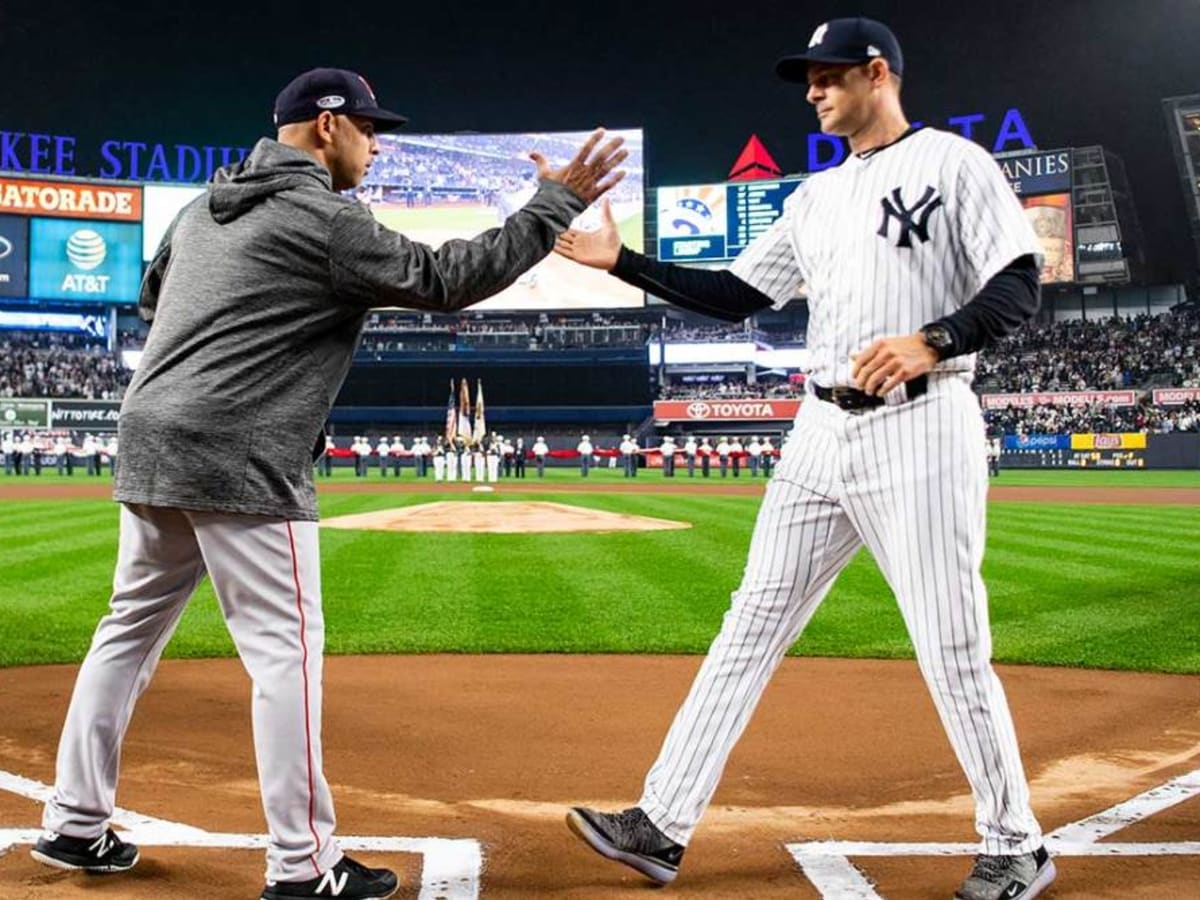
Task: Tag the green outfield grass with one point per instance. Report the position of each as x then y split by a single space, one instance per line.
632 231
1131 478
1099 586
466 220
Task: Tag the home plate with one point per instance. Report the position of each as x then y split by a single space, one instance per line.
503 517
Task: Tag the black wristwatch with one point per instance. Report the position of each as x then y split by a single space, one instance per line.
939 338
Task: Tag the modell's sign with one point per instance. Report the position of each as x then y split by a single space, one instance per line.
70 200
725 410
1060 398
1176 396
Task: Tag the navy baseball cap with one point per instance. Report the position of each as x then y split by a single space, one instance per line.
339 91
844 42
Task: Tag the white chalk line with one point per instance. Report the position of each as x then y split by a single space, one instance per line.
451 868
827 863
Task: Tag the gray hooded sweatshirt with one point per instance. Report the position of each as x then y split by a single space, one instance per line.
256 299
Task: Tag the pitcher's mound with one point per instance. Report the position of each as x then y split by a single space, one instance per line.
506 517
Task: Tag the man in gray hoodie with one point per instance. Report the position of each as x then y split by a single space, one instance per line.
256 298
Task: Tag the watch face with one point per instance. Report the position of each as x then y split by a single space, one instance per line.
938 336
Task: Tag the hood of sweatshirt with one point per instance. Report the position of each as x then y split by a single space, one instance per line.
271 168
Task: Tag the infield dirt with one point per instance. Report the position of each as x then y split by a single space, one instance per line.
495 748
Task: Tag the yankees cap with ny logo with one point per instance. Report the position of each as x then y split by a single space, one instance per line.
844 42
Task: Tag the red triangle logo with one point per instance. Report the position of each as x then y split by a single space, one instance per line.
754 162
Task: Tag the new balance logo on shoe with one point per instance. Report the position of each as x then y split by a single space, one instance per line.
101 845
348 880
332 883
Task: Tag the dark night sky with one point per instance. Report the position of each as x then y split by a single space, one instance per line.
697 76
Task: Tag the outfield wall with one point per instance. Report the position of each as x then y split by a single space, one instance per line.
1101 451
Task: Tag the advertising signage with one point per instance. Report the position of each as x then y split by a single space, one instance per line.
71 200
85 261
1045 172
14 256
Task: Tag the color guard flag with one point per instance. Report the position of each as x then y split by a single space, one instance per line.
480 424
451 417
464 411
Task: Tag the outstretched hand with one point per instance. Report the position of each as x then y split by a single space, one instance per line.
590 175
598 249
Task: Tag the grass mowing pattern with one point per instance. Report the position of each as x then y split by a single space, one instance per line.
1100 586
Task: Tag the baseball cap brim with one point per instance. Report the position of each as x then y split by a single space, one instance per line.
384 120
795 68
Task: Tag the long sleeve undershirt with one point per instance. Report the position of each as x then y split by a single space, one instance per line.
1009 299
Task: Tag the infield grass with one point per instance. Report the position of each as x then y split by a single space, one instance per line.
1088 585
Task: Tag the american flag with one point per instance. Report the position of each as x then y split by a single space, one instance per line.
451 417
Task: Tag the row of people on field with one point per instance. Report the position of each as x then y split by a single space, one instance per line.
31 452
496 456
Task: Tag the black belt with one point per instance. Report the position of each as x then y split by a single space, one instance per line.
853 400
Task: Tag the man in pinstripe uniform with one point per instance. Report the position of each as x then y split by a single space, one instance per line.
915 254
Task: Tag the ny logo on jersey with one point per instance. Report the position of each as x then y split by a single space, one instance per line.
913 220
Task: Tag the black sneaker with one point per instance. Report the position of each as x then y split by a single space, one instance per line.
1020 877
629 837
348 880
99 855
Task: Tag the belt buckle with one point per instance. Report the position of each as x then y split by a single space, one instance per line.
840 393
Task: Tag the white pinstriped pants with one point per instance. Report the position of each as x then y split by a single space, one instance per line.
909 482
267 576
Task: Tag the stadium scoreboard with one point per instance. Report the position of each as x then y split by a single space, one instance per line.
713 223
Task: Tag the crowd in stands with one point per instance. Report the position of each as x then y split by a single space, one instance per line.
1094 418
1140 352
1108 354
733 390
494 169
39 365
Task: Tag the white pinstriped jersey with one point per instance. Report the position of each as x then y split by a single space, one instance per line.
890 242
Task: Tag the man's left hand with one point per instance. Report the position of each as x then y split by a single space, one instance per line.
889 362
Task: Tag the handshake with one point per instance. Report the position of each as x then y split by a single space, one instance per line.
590 174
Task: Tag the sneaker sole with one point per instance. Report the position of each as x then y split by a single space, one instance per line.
44 859
1045 877
653 870
363 896
358 897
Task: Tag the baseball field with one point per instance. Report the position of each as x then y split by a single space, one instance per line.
480 682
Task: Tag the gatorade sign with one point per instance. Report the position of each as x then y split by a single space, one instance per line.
70 200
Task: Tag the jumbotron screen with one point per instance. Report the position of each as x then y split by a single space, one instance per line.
713 223
433 188
1051 218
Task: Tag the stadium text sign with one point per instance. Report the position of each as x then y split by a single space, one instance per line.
1060 398
71 201
725 410
54 154
826 151
1176 396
